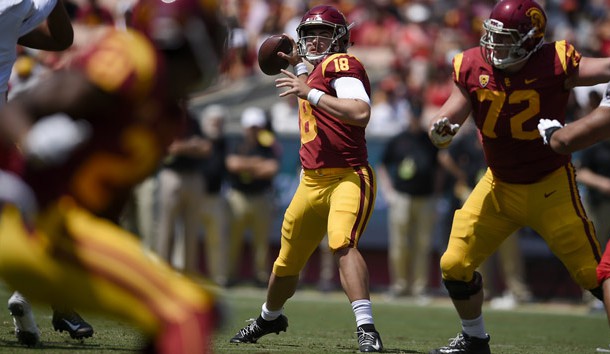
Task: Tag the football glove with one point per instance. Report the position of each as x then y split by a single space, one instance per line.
442 132
546 128
52 138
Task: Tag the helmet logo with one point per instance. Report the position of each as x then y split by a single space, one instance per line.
538 21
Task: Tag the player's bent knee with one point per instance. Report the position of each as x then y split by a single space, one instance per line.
452 267
284 269
462 290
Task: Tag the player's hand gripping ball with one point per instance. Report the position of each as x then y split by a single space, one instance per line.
268 60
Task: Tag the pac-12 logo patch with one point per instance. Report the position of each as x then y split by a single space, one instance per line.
483 80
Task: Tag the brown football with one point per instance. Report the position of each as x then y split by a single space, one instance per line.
268 60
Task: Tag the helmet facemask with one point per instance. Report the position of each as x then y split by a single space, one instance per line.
505 47
336 41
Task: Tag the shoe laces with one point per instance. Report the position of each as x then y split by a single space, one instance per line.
252 328
366 338
458 342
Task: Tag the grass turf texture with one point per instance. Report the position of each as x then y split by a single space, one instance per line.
324 323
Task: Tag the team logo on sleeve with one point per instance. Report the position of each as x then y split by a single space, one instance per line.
483 80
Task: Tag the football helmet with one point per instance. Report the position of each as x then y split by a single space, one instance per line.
323 16
174 24
513 32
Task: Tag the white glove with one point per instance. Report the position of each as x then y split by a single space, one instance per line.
546 128
442 132
52 138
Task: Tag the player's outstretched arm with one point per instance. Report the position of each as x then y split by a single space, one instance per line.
446 123
55 34
580 134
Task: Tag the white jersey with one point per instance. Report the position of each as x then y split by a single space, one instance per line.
17 18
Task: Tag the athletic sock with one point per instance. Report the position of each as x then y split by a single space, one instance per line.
269 315
363 312
474 327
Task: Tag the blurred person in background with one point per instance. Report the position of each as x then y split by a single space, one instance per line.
180 193
88 135
215 211
410 180
252 163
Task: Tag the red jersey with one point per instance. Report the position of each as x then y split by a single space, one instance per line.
325 140
507 107
128 140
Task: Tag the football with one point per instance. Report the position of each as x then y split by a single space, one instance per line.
268 60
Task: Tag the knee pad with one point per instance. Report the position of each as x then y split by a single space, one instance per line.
461 290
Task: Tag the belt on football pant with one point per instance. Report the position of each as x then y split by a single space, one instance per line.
328 171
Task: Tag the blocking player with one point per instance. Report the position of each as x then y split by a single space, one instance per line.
337 189
89 134
508 83
584 132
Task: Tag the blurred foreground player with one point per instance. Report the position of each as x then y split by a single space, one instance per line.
89 134
38 24
336 194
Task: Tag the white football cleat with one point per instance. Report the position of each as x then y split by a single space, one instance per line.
26 330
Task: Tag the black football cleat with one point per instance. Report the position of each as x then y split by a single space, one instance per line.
71 322
258 328
464 344
369 342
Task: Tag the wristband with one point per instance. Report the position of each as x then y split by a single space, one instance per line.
549 132
314 96
300 69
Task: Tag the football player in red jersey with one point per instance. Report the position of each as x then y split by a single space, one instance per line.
89 134
337 189
508 83
584 132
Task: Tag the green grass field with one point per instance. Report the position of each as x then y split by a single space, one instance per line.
324 323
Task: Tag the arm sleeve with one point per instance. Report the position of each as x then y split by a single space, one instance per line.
350 87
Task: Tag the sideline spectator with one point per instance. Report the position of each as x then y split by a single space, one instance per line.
215 212
252 163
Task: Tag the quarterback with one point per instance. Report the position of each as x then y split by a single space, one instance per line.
508 83
337 190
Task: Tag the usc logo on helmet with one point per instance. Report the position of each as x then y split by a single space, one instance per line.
538 21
